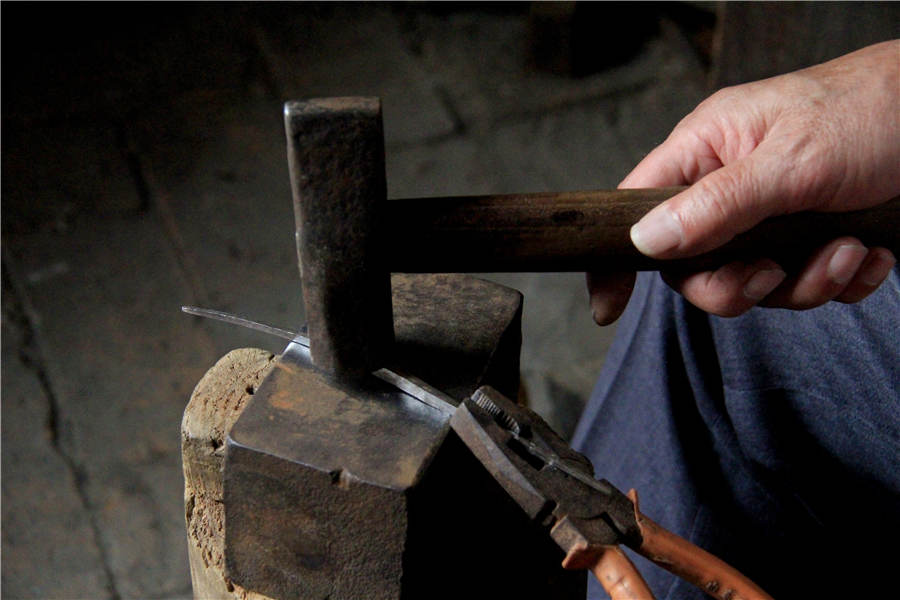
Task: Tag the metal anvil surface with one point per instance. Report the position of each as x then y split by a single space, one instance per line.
337 490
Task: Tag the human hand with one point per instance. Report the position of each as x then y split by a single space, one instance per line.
825 138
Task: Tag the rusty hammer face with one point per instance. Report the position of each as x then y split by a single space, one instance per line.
336 162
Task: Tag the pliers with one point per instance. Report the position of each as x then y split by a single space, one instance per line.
588 518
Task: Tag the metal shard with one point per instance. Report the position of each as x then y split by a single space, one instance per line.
408 383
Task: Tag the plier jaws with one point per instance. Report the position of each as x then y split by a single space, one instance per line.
588 518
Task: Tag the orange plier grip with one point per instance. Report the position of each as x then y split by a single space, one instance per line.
622 581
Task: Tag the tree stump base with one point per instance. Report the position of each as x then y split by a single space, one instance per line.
216 403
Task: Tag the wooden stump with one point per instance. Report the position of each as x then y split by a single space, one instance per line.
215 405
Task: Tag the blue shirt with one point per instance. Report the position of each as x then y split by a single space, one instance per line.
771 439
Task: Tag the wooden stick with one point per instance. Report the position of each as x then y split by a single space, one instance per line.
584 231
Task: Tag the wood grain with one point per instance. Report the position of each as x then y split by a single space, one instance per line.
589 231
217 402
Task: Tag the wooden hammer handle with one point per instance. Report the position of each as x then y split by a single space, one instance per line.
589 231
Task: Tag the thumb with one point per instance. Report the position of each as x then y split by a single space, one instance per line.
724 203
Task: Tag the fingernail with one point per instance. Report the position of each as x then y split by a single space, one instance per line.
763 283
875 272
845 262
658 232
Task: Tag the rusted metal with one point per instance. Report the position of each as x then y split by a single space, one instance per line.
354 489
555 486
552 483
336 164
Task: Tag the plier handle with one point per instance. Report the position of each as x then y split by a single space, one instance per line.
588 518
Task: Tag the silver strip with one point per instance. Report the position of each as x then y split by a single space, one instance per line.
218 315
405 382
418 389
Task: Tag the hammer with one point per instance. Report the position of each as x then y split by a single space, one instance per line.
350 237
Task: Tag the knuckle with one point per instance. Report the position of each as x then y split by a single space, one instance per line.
726 96
724 100
813 175
715 203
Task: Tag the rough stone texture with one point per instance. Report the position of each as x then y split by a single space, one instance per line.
227 213
120 367
479 63
87 175
339 50
764 39
43 525
215 405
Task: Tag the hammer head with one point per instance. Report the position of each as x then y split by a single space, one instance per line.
344 487
336 162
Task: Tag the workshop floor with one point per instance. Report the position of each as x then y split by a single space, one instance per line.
144 168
